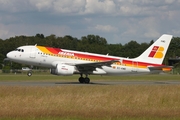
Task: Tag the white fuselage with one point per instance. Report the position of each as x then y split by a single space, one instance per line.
31 55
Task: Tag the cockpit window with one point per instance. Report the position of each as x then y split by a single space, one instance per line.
20 50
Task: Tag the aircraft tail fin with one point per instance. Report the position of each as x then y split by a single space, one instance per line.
156 52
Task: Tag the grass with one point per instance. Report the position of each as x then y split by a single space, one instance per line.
93 102
47 77
126 102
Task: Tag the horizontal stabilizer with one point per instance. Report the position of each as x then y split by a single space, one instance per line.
160 68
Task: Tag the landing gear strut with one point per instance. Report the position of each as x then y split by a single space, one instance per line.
29 73
84 80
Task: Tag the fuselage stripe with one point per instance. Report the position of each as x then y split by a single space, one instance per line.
91 57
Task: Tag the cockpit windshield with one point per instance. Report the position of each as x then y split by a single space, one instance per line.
19 50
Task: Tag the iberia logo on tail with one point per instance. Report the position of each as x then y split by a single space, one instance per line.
157 52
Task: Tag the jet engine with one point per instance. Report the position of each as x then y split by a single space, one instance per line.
62 69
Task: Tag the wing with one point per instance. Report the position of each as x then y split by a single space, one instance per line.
90 67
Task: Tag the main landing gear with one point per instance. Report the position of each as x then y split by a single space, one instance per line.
84 80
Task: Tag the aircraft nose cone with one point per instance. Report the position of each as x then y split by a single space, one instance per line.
9 55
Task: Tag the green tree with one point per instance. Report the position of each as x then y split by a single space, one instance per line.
131 49
174 48
6 69
40 36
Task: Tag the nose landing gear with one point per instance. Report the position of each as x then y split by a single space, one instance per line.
29 73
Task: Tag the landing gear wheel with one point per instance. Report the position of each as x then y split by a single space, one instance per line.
81 80
29 73
86 80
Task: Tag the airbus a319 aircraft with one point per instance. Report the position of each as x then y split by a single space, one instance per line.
69 62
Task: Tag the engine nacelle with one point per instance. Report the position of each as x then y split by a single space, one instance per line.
62 69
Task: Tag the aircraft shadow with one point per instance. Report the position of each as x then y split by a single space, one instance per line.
77 83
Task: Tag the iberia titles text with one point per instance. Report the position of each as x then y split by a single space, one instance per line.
66 53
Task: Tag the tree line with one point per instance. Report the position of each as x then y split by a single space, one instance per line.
89 43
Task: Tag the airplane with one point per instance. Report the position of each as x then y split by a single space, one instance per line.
68 62
26 69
